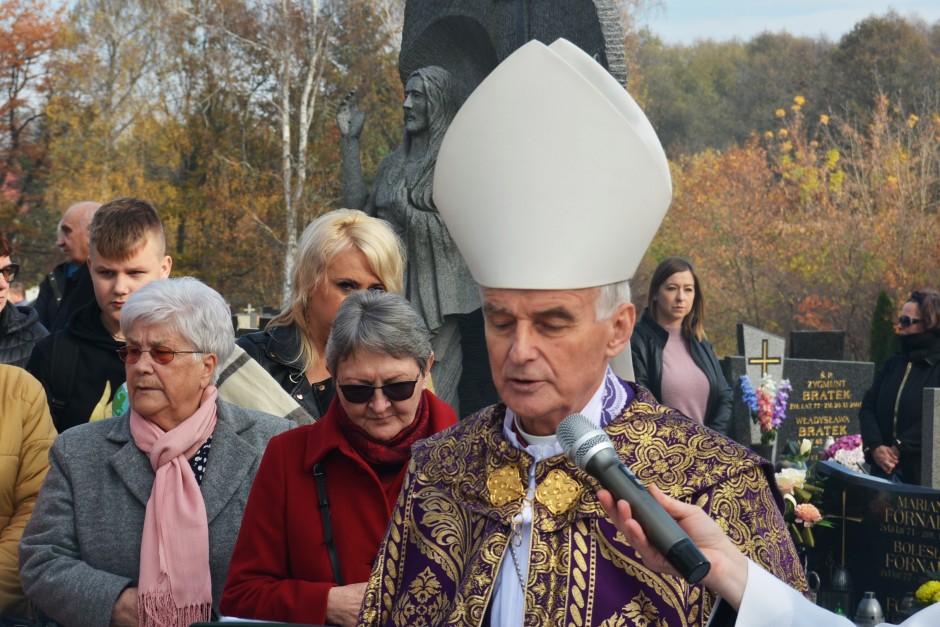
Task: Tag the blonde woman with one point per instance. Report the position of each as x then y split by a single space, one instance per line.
339 253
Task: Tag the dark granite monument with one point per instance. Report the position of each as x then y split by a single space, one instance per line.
827 345
825 399
887 535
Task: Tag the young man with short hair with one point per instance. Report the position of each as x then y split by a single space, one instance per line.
79 366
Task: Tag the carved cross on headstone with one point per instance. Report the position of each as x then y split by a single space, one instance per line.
844 520
764 360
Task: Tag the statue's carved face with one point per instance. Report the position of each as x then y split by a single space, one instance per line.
416 106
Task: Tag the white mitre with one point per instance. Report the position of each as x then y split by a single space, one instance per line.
550 176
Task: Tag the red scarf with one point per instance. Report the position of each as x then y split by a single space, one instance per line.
396 451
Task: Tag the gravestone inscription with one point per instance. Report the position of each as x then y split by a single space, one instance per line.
823 403
887 534
825 399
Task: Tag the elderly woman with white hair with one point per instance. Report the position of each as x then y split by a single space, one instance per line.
136 521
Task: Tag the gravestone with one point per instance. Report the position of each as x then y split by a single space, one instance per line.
817 345
930 445
887 535
825 399
763 352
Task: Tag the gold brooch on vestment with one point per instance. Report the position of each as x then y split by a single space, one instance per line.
557 492
505 485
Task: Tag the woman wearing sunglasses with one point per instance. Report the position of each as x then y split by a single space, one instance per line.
138 516
891 412
324 493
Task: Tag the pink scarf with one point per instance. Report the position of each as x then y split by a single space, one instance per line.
175 587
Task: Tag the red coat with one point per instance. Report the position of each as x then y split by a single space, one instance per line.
280 568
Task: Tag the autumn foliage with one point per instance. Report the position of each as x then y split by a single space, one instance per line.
804 224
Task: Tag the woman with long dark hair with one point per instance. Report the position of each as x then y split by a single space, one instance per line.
672 356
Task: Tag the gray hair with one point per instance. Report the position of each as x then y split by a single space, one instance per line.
188 306
379 322
610 297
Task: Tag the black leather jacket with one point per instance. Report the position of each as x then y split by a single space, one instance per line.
647 344
277 351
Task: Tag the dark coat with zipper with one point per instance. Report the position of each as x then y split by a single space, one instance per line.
647 344
20 329
79 369
900 381
277 350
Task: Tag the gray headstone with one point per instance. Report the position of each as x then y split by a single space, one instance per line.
886 535
817 345
825 400
763 352
930 446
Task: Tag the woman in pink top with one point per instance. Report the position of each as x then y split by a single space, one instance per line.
671 355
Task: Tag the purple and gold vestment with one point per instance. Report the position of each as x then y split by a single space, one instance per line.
452 526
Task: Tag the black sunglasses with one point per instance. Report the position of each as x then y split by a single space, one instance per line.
398 391
160 354
9 272
906 321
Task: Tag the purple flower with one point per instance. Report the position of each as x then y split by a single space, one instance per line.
780 402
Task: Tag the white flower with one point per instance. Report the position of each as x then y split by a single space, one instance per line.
790 478
851 459
805 446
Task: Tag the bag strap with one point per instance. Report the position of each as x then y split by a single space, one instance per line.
327 524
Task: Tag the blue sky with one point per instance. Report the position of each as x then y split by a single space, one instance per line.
684 21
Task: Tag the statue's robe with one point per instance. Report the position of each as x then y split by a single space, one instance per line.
451 528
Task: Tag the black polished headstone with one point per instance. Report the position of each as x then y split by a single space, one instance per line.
887 534
828 345
825 400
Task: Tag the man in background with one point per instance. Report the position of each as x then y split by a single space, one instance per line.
68 287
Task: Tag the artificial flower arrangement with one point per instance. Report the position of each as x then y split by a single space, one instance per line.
847 451
768 404
802 494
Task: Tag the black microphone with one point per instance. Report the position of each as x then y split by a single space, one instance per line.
592 451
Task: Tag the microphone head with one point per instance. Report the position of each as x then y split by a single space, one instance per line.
581 439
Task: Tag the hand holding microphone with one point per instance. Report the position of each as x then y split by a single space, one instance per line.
592 451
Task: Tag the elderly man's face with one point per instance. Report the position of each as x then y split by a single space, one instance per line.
547 351
166 394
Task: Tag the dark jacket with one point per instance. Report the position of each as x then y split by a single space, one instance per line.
647 344
277 351
61 295
19 331
79 368
877 418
